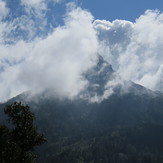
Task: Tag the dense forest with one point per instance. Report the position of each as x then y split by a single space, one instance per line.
18 141
141 144
121 129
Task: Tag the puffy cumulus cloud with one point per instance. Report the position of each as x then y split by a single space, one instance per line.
11 57
54 63
58 61
135 49
114 38
3 9
114 32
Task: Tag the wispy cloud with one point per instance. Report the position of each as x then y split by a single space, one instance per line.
3 10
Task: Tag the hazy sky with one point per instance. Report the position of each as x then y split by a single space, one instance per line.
49 44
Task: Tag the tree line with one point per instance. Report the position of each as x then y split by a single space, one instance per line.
18 139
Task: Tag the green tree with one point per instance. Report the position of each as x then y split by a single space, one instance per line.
17 143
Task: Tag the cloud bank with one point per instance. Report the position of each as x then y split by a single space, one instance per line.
54 63
32 58
135 50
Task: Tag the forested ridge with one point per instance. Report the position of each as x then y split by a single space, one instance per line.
121 129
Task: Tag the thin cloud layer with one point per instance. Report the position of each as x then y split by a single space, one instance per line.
37 4
3 10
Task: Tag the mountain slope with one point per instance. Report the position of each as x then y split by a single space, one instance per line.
118 129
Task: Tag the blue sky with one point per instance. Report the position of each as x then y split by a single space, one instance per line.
100 9
120 9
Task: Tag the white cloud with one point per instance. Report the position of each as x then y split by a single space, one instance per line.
38 4
3 9
56 62
135 49
57 1
32 3
11 58
37 9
